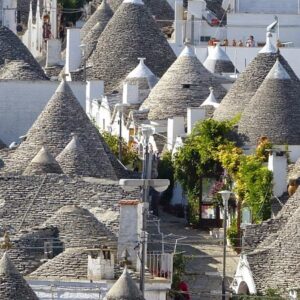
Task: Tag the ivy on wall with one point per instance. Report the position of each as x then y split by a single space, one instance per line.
210 150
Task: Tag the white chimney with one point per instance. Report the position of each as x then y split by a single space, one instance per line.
130 229
94 90
53 53
101 263
278 165
130 93
73 52
175 128
194 114
179 35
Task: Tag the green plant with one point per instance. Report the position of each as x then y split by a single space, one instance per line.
179 264
129 157
198 159
232 233
165 170
254 187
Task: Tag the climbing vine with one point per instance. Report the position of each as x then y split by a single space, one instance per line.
211 150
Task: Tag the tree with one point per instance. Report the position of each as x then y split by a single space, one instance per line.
129 156
211 150
198 159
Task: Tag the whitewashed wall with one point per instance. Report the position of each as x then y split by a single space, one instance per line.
79 290
240 26
241 57
268 6
22 101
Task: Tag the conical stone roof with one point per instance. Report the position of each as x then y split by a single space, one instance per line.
274 110
124 289
43 163
131 33
185 84
160 9
77 227
74 160
62 116
100 17
20 70
12 48
218 61
142 76
280 256
12 284
247 84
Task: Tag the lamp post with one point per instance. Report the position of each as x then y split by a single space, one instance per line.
159 185
225 197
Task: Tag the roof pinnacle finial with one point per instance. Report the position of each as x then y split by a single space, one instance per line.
142 60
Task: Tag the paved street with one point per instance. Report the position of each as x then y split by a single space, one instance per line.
204 253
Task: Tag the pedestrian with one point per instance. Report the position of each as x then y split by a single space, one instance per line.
250 42
184 289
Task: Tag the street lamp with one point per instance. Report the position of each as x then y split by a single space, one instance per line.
225 197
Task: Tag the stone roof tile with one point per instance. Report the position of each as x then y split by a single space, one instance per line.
124 289
131 33
247 84
20 70
77 227
12 49
185 84
218 61
62 116
74 160
274 110
268 263
43 163
142 76
12 284
100 18
72 263
160 9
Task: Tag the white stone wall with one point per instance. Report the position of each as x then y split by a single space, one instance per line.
268 6
22 101
241 57
243 274
240 26
78 290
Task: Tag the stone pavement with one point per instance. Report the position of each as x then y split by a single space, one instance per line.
205 255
